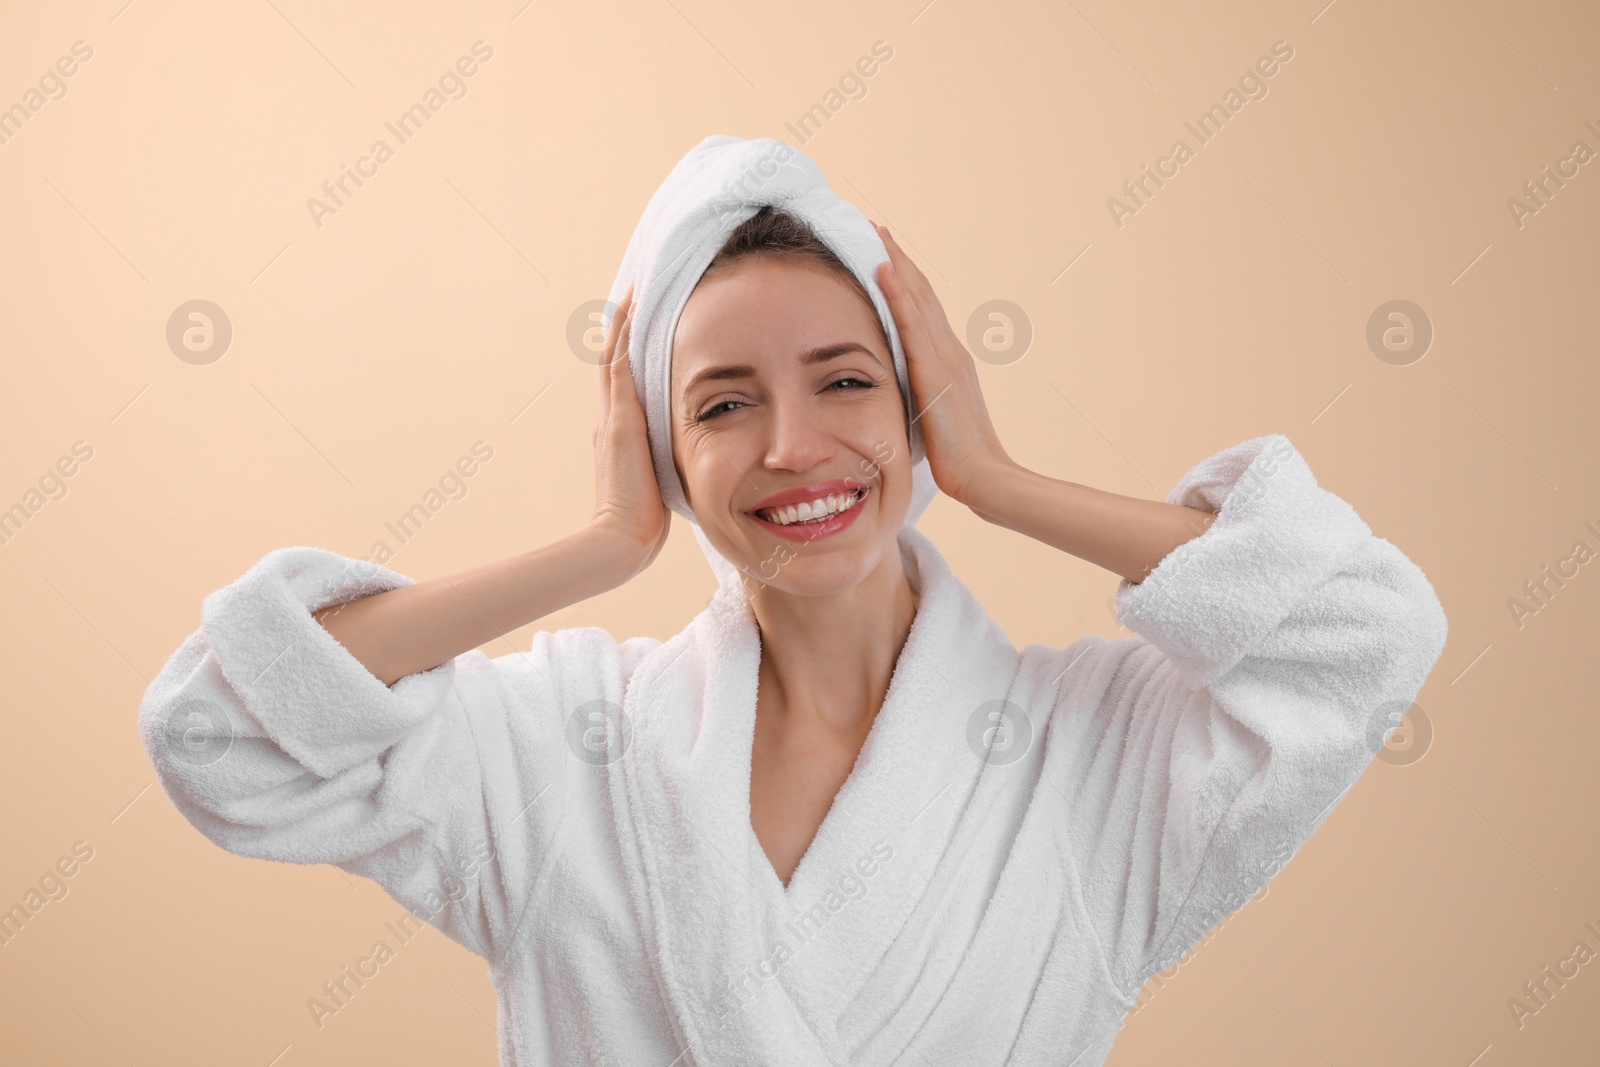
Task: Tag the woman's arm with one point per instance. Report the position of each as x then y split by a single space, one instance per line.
417 627
447 788
1278 642
1273 656
377 737
1120 533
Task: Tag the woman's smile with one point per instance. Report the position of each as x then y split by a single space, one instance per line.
813 512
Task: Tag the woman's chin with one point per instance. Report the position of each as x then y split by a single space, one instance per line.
809 570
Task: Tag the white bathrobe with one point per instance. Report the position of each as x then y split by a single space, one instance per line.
1025 839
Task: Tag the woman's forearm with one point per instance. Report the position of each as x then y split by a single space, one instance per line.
1123 534
418 627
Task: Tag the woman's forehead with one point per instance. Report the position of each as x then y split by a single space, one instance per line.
765 318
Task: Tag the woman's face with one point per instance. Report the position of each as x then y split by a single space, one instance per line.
783 390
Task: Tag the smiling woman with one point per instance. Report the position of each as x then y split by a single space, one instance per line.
675 826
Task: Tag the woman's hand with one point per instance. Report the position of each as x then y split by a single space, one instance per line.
963 448
628 502
1123 534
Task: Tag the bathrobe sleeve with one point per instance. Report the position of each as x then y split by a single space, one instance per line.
275 742
1275 652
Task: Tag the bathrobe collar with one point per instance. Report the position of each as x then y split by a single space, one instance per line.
754 971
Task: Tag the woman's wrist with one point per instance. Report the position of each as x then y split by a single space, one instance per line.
986 494
614 556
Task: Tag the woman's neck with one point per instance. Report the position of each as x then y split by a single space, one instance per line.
826 661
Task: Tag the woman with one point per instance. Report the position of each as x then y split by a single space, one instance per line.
839 818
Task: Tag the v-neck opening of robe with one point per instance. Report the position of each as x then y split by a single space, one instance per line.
742 957
802 877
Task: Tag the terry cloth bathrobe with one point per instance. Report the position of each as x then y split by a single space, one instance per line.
1027 836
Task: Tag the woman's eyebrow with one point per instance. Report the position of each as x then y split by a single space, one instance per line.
808 358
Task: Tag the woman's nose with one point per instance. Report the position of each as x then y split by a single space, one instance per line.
798 440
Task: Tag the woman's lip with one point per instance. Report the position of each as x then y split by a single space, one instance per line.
809 492
808 532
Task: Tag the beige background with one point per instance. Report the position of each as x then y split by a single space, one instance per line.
432 309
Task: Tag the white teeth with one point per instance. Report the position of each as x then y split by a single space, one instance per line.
811 510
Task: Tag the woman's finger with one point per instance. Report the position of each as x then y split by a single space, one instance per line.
914 332
615 329
621 364
605 373
911 276
921 289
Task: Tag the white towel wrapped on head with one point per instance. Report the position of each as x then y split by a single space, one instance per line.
719 184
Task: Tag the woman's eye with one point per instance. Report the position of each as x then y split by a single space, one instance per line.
857 381
714 410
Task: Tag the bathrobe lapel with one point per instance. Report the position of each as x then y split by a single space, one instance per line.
753 971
